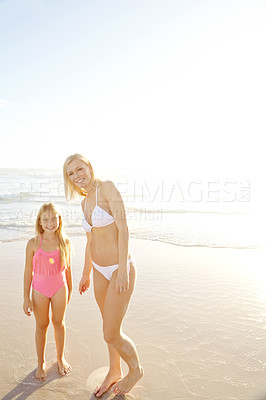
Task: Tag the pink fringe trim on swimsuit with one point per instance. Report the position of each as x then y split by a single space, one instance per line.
47 264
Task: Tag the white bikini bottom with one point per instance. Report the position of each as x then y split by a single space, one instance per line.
108 270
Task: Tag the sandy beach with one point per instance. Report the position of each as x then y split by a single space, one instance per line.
197 317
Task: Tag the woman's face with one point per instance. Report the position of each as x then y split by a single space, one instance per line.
79 173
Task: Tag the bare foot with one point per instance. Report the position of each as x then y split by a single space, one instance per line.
126 384
63 367
40 373
110 379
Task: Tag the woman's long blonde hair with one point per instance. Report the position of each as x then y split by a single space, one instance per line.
70 189
64 242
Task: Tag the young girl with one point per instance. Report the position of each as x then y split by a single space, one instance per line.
48 271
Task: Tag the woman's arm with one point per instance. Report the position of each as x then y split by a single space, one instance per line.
119 214
84 283
27 304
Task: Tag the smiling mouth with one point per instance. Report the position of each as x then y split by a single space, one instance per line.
80 180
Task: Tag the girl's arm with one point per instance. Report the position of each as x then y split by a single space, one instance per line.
69 277
118 211
27 304
69 282
84 283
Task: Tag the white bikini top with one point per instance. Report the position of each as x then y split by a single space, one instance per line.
99 217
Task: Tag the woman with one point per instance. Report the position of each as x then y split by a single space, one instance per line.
104 220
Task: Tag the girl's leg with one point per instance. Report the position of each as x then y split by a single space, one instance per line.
41 312
101 285
114 311
58 304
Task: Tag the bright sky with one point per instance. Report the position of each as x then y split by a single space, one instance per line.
173 87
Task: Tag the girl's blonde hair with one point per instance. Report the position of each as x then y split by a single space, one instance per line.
64 242
70 189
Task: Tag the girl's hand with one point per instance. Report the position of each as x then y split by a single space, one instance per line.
122 281
84 284
27 307
69 297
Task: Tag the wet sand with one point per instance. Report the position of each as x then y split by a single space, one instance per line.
197 317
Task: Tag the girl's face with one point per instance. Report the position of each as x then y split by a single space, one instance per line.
79 173
49 221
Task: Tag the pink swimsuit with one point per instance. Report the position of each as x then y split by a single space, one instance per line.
48 274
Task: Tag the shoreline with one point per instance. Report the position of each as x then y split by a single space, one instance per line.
134 237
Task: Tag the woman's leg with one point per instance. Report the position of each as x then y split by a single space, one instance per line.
41 312
114 311
101 285
58 304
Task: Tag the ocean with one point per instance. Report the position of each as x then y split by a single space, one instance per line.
195 213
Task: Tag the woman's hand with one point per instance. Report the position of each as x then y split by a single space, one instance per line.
84 283
27 307
122 281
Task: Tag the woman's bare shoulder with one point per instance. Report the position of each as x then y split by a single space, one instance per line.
108 189
107 186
